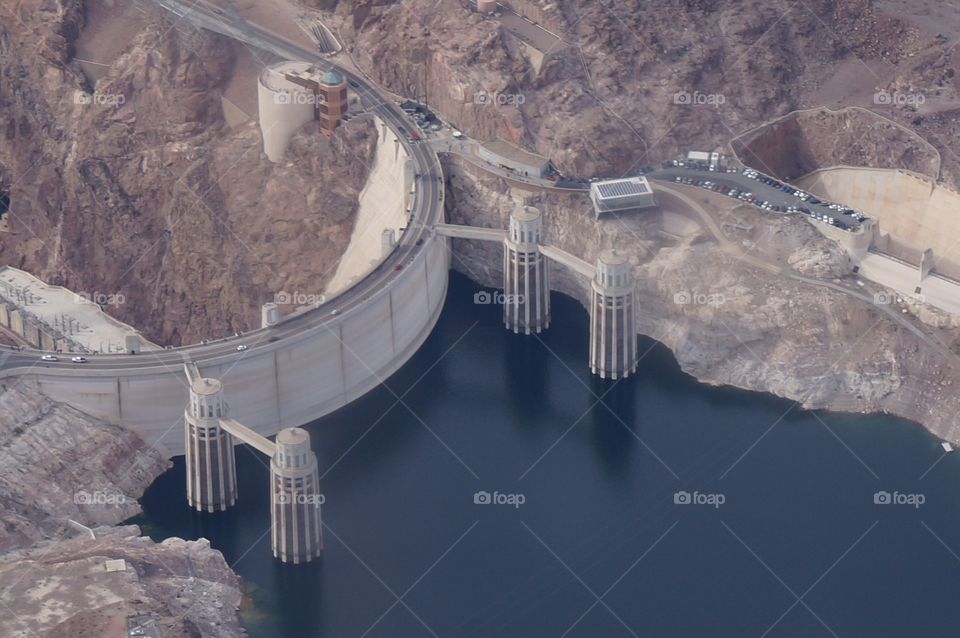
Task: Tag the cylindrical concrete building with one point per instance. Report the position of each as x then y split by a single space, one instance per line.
526 274
211 466
613 318
284 106
296 499
486 6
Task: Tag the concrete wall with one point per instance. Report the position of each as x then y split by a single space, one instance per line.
915 211
283 107
533 166
287 383
856 243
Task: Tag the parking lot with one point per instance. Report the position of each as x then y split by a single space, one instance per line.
763 191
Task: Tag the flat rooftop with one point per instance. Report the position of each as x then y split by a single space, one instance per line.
78 316
614 189
273 78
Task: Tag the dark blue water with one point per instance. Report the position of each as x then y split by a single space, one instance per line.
599 547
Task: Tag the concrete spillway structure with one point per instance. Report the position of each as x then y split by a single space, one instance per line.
526 274
211 466
613 318
295 499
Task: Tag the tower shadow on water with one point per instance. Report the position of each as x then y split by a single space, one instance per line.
613 422
527 370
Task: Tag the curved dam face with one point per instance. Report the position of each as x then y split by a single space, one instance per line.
284 384
914 211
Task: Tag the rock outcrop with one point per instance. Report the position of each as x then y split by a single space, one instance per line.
182 589
62 473
91 472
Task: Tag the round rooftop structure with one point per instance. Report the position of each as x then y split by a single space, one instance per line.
525 226
293 452
613 269
527 214
293 437
332 78
272 76
206 386
612 257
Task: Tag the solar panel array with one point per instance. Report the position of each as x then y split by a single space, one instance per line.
622 188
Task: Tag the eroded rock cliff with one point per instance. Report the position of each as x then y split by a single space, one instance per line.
88 471
63 588
61 470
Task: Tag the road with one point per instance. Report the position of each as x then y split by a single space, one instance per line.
427 211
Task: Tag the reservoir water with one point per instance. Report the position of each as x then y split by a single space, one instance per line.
656 506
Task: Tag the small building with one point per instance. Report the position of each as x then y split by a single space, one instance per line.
621 195
514 159
713 160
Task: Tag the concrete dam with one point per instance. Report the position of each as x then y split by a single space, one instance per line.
298 368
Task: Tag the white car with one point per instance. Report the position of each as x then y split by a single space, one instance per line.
79 359
49 357
241 348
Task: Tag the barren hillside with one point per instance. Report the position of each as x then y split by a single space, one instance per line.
628 83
